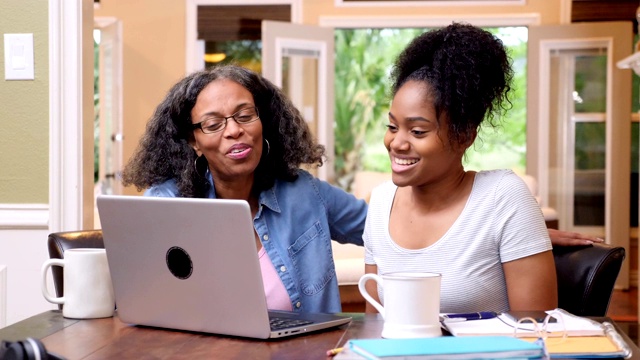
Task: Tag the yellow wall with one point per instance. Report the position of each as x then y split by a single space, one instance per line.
153 58
24 109
312 9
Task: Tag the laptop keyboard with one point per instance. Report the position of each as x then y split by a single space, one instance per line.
283 323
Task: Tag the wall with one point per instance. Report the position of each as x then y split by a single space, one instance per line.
24 139
23 251
153 58
314 9
24 157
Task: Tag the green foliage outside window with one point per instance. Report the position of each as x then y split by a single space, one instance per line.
363 63
246 53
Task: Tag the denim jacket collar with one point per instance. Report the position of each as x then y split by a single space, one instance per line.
267 198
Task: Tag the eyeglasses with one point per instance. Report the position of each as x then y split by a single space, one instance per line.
528 326
215 124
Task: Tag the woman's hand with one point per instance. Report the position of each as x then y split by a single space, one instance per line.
567 238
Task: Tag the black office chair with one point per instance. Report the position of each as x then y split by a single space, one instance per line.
586 276
61 241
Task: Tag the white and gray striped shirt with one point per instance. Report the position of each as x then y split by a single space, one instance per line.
500 222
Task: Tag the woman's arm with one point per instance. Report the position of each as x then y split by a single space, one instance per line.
346 214
531 282
372 288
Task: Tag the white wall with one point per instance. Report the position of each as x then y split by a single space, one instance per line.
23 250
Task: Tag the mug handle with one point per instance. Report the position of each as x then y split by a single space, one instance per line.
45 290
365 294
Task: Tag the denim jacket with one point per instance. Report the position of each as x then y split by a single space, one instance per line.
296 222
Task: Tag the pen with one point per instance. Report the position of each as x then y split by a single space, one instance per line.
471 316
334 352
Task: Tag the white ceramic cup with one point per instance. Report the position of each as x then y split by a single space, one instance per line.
411 303
88 291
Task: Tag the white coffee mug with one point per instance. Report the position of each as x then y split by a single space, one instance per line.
411 303
87 290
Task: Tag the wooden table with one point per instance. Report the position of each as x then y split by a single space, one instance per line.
111 339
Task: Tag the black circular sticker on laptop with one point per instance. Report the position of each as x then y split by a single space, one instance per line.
179 262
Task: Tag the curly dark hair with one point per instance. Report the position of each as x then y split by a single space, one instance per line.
164 151
468 73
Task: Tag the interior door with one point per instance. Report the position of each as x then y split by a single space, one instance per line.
110 105
299 59
108 122
579 127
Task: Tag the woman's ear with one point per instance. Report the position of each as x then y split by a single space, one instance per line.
195 147
471 139
464 146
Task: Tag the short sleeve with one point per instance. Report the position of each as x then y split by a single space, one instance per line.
523 231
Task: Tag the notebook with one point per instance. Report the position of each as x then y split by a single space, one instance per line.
447 347
504 325
192 264
584 337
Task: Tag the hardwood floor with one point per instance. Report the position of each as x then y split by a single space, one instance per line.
624 305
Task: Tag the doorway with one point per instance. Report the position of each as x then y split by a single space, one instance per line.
108 137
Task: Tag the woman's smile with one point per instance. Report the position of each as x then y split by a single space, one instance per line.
239 151
402 164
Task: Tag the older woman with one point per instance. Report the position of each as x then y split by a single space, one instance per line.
229 133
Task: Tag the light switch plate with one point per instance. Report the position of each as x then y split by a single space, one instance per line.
18 57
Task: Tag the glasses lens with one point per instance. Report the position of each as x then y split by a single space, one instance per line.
245 116
212 125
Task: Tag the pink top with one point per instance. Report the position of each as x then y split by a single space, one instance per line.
277 297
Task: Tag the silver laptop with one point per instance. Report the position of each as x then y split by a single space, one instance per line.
192 264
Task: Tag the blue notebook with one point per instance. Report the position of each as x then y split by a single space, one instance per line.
447 347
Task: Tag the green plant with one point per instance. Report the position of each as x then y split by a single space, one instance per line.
506 145
363 62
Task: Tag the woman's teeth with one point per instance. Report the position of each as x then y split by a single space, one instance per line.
405 161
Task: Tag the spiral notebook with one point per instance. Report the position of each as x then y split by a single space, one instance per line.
192 264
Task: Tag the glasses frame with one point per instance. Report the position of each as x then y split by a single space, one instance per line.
539 330
226 119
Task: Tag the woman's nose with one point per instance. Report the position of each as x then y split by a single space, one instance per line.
232 129
398 142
